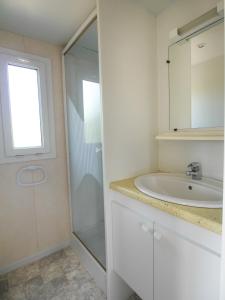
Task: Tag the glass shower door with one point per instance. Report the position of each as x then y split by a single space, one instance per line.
85 144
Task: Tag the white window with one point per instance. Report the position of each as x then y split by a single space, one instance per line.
27 127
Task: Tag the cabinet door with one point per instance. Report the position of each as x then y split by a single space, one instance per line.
182 269
133 250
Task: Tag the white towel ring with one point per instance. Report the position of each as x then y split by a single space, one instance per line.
31 168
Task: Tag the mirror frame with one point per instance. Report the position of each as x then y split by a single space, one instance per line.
197 134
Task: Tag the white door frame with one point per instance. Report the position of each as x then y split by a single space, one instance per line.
222 280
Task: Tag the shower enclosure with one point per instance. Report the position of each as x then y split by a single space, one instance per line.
84 141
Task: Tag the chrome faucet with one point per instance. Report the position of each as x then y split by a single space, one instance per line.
194 170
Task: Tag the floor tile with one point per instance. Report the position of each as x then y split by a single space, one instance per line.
69 251
31 271
89 291
3 276
59 276
4 286
69 264
51 271
17 277
5 296
33 287
17 293
51 258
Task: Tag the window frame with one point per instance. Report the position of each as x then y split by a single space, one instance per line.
43 66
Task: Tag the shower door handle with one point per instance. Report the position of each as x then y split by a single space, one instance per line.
98 149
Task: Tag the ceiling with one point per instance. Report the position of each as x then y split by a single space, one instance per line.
54 21
156 6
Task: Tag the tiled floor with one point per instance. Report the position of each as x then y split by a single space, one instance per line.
59 276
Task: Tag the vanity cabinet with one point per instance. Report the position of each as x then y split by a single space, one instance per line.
163 262
133 249
183 270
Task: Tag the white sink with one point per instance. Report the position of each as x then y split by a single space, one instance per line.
180 189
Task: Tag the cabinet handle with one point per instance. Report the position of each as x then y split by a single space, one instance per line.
157 236
145 227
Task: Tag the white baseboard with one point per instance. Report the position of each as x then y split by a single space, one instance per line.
90 263
32 258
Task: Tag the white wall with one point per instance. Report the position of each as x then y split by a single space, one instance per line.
174 156
34 219
127 53
128 72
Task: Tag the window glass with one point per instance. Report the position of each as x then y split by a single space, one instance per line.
24 107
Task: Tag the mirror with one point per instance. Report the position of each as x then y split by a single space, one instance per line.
196 80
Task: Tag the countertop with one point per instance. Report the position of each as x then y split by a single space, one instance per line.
208 218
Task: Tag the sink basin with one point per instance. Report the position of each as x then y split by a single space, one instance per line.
180 189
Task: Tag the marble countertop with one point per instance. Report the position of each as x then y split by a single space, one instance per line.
208 218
